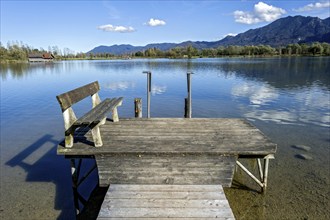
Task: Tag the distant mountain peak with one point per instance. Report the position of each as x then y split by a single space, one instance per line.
284 31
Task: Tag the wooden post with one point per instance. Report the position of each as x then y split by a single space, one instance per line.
148 91
138 107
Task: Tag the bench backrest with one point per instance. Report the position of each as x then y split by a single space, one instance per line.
67 99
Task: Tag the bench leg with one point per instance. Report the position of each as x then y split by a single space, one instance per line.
103 121
115 117
97 136
69 140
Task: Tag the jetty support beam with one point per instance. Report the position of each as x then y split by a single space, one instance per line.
77 181
263 171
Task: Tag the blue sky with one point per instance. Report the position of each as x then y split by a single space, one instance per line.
83 25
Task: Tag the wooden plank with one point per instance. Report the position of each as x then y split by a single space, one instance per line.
205 137
99 112
196 135
165 195
163 201
67 99
183 123
172 188
238 147
165 169
218 218
169 212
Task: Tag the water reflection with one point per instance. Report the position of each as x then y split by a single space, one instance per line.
282 73
306 106
157 89
122 85
282 90
258 94
22 70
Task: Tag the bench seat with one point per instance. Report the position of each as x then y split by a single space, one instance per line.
93 118
98 113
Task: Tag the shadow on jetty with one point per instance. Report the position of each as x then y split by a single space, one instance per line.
55 169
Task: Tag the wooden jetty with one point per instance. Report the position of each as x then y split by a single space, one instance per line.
180 164
173 151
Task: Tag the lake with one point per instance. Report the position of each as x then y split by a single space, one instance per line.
288 99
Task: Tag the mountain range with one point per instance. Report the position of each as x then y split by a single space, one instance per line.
284 31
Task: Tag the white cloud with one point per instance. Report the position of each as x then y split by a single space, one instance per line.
155 22
262 12
229 34
315 6
112 28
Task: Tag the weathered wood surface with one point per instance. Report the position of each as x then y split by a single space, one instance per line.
99 112
94 118
165 201
67 99
138 107
175 135
165 169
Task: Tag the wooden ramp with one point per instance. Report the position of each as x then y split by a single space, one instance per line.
165 202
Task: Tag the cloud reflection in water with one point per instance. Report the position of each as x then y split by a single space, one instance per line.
306 106
122 85
158 90
257 94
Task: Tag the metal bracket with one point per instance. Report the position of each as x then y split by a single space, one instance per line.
188 115
148 91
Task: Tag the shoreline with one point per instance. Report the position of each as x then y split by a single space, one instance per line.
174 58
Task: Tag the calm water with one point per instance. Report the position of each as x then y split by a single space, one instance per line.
287 98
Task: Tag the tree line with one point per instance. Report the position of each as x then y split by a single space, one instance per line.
315 49
19 52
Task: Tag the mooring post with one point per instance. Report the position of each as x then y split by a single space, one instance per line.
138 107
148 91
188 102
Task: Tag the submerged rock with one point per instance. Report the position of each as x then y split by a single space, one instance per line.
302 147
304 156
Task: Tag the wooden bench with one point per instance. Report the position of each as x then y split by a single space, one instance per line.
92 119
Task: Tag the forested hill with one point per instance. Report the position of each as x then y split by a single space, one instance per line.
284 31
